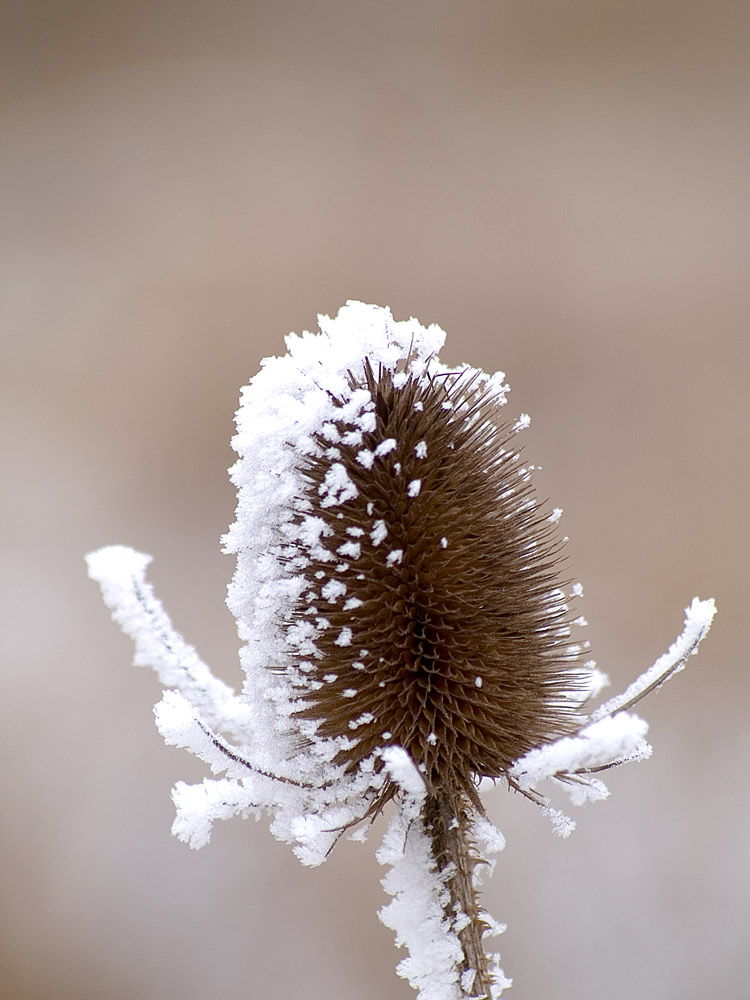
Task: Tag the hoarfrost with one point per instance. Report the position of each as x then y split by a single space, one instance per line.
698 618
416 912
379 532
386 447
266 759
333 590
611 738
344 637
337 487
489 838
404 771
352 550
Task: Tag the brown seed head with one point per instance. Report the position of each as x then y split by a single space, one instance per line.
439 621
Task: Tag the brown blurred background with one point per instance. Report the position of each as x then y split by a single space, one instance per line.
563 186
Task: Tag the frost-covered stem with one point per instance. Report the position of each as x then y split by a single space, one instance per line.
447 822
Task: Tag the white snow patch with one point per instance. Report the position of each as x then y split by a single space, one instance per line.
402 769
337 487
597 680
489 838
333 590
344 638
562 825
351 550
379 532
362 720
385 447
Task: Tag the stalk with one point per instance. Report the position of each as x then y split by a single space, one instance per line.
446 816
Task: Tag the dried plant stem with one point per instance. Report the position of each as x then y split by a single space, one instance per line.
447 822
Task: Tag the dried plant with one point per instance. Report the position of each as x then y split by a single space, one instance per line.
406 633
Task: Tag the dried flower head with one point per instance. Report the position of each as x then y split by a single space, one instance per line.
406 632
431 617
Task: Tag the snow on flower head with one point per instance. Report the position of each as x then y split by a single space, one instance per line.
461 653
404 631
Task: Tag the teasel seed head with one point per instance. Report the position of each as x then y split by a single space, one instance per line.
405 633
432 581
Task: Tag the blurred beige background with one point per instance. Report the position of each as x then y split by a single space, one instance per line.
563 186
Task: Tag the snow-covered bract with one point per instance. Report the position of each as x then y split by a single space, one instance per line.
405 632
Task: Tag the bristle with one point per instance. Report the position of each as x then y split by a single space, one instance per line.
431 590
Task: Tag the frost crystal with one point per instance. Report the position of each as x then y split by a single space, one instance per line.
388 675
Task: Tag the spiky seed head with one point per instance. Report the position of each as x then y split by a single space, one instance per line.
431 584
